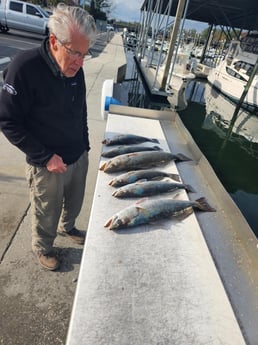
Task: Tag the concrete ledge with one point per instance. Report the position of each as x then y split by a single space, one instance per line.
152 284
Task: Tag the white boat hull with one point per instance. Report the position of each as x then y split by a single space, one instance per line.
233 73
219 112
224 84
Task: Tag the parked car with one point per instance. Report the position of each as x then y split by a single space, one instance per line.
23 16
110 27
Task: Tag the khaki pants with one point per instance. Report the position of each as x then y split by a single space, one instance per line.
56 200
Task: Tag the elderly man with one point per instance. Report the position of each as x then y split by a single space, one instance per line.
43 112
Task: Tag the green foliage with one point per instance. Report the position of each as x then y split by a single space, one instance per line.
96 7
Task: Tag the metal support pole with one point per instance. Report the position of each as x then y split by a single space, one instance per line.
179 12
207 43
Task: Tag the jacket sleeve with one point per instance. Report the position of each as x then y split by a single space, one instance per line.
16 99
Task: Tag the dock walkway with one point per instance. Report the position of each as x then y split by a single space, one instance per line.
35 305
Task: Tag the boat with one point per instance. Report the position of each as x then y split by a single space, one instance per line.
219 112
159 56
178 79
232 74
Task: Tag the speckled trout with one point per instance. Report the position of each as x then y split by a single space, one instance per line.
144 175
147 188
123 139
140 160
147 211
120 150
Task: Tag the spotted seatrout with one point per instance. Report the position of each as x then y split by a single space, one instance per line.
120 150
140 160
147 211
123 139
147 188
145 174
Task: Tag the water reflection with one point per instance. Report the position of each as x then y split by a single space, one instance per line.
207 118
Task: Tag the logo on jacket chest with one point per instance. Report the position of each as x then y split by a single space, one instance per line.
10 89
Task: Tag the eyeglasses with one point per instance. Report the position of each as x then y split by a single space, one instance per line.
73 53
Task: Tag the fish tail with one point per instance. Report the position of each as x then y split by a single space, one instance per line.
204 206
189 188
154 141
174 177
157 148
181 157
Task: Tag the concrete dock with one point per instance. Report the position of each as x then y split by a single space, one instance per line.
35 305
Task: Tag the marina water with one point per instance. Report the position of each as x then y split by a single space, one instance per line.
234 161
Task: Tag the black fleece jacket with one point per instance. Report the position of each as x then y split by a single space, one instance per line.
41 111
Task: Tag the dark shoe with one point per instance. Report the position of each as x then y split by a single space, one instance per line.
48 261
75 235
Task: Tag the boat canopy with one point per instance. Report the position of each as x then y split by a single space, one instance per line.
231 13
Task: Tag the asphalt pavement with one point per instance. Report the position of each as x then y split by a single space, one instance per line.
35 305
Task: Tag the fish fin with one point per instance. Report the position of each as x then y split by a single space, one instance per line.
183 215
181 157
140 201
175 177
141 181
189 188
177 196
133 154
204 206
103 166
157 178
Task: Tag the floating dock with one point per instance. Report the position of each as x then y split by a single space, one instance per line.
191 281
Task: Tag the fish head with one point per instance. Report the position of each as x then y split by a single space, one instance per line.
115 223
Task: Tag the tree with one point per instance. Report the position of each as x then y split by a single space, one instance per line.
100 9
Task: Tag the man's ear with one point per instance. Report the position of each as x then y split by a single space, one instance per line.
53 42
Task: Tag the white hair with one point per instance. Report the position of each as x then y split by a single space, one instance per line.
67 18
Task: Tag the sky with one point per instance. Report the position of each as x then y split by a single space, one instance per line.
128 10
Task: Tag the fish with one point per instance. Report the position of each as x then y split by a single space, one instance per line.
140 160
128 149
127 139
145 174
147 188
149 211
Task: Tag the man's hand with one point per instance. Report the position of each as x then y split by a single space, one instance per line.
56 164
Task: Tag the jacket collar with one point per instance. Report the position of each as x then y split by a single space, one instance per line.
49 59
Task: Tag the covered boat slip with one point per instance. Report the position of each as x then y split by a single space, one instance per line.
157 284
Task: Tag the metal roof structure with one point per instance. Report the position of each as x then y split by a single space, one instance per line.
242 14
